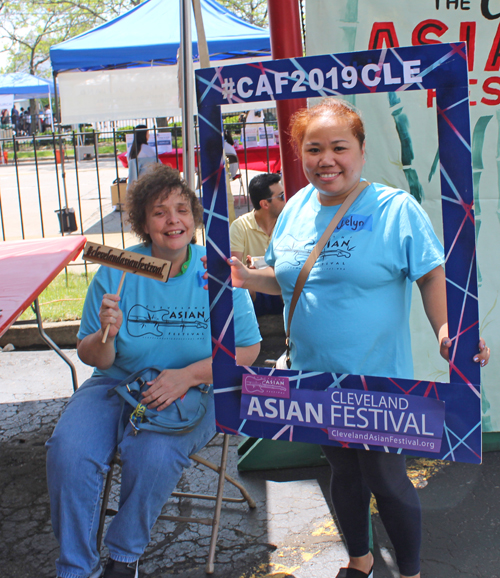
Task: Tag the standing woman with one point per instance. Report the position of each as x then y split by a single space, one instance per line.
140 155
353 313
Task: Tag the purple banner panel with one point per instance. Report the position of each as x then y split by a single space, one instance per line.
375 438
404 417
266 385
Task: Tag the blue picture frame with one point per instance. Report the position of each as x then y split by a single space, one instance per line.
441 67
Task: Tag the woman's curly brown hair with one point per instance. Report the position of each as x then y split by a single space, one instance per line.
155 184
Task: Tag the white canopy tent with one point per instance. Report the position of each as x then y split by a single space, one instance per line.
126 68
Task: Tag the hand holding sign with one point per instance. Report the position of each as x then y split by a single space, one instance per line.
126 261
110 315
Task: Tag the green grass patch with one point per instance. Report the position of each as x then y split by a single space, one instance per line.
63 299
30 154
110 148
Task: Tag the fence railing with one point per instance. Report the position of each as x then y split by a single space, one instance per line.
53 184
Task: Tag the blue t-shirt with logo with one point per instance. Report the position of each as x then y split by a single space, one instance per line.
353 313
164 324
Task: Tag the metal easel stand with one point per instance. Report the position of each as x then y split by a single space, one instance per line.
36 308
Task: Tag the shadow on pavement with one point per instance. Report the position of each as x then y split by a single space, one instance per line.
111 223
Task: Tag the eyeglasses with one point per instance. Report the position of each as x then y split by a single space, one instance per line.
281 197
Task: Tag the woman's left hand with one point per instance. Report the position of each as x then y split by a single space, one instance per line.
482 357
484 353
165 389
205 276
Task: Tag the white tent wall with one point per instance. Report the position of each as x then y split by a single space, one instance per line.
118 94
123 94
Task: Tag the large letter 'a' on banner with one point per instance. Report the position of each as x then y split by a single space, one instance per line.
421 418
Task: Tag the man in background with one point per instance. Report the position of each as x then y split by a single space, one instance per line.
251 233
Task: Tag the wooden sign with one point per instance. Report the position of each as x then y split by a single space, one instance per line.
127 261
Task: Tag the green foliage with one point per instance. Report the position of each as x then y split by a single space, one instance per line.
252 11
63 299
121 134
30 27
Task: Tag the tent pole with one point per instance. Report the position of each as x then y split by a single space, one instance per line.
200 33
61 154
188 144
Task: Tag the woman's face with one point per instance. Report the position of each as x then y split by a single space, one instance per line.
170 224
332 158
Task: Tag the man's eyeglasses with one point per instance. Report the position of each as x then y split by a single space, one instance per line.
281 197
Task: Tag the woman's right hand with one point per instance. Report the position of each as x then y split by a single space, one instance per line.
110 314
239 273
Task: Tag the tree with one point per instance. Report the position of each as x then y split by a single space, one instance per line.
30 27
252 11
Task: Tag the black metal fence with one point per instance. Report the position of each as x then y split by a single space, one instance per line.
56 184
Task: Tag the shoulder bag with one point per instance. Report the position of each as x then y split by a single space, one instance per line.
181 417
284 361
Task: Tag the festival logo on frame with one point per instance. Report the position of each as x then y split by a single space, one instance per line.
350 415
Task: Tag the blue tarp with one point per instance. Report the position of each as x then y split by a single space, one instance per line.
24 86
150 34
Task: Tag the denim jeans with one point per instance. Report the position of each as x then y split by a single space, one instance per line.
79 452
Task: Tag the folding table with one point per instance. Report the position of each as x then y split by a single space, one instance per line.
26 268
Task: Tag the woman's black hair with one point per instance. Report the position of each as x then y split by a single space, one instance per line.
228 137
140 138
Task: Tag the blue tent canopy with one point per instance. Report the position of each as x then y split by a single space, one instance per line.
24 86
150 34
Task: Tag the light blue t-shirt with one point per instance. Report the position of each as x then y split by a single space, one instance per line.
164 324
353 313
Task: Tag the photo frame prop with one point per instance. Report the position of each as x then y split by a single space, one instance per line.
421 418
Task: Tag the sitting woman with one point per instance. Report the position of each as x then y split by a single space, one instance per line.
164 213
140 155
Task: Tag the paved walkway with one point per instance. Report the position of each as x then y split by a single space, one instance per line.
289 535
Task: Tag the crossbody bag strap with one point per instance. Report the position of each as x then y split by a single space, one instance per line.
315 253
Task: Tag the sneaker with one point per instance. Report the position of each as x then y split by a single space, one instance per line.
116 569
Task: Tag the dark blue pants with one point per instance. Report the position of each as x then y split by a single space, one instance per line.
268 304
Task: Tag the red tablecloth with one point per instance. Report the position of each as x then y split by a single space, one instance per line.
256 158
27 267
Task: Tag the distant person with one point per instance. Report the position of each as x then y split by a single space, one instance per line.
230 153
140 155
27 124
21 121
5 118
48 117
251 233
14 115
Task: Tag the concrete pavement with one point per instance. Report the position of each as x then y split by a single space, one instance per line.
290 534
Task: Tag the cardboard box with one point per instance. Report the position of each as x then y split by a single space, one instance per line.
114 194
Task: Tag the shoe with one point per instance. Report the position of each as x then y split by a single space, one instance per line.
353 573
97 572
116 569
